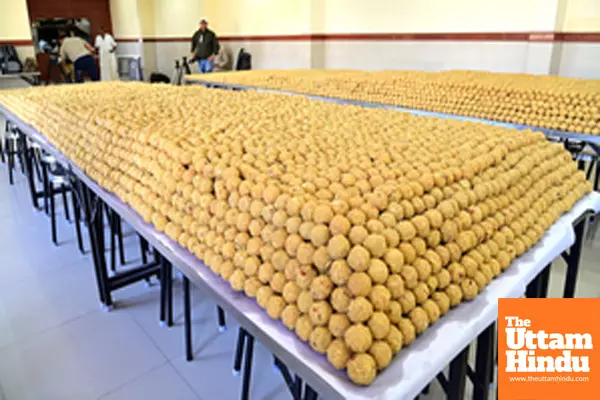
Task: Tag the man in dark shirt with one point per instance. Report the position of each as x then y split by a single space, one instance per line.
204 47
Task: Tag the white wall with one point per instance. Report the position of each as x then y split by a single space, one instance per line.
164 19
429 55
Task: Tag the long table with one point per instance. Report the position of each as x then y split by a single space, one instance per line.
415 366
592 140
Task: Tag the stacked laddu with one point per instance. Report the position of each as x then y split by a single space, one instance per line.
357 228
552 102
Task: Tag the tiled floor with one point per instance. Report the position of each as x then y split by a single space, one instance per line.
57 343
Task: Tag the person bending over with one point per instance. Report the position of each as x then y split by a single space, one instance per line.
80 53
204 47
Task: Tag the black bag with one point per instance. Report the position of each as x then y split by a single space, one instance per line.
9 60
157 77
244 61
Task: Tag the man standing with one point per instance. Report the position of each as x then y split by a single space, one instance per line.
80 53
204 47
106 46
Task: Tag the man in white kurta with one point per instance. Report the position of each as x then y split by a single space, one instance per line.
106 46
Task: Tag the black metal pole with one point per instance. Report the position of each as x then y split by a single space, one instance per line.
532 290
87 212
573 261
143 249
63 189
187 319
309 393
484 364
298 387
169 294
52 214
239 351
119 226
75 200
45 185
221 317
98 222
247 375
458 374
113 248
544 280
163 290
10 154
29 154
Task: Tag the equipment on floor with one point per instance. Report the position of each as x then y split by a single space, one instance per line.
181 69
157 77
130 68
9 60
244 61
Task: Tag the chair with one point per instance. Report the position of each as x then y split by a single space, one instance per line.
57 181
10 150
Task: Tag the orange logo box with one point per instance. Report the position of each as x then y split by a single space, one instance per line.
548 349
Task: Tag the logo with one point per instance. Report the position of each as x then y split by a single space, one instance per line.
548 349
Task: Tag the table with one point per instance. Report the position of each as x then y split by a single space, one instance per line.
414 367
592 140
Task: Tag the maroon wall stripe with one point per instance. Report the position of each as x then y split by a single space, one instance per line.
590 37
16 42
582 37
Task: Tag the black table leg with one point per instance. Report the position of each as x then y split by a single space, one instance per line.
99 222
20 153
573 259
52 214
77 198
298 387
169 283
2 147
119 226
247 375
221 317
309 393
96 215
287 377
29 154
36 157
458 375
77 216
63 189
187 316
538 288
113 249
11 159
239 351
484 364
143 249
45 184
544 280
163 290
86 198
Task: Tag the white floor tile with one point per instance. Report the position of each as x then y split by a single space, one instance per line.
144 308
35 305
210 373
81 359
159 384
